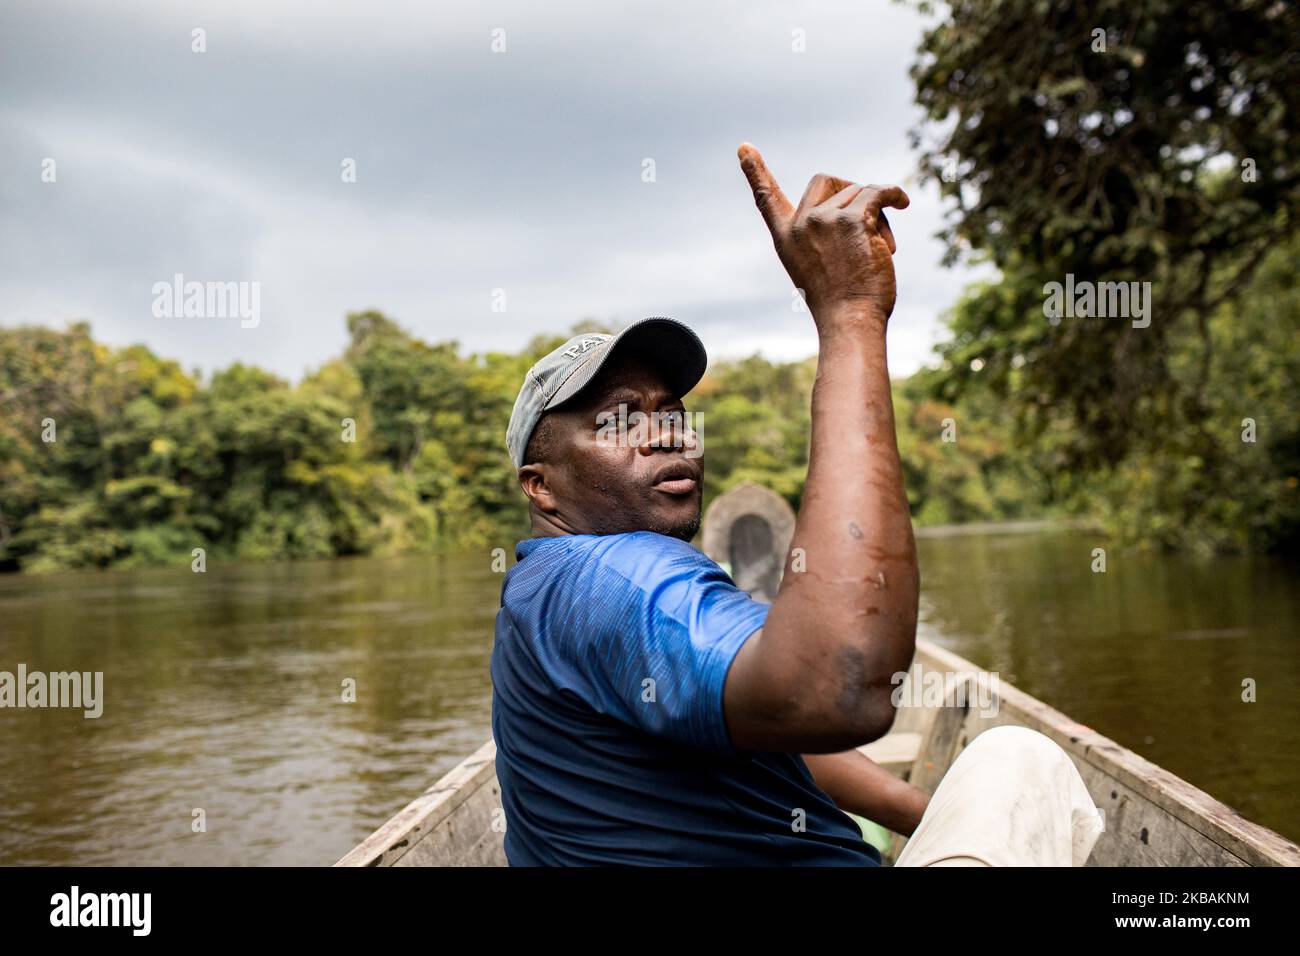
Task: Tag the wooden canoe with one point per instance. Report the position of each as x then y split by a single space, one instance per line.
1153 818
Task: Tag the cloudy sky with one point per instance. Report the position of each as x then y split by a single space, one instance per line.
475 170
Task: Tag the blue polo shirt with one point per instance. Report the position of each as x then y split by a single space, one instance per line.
610 657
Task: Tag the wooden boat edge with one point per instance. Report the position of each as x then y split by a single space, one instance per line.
1245 842
1254 844
395 838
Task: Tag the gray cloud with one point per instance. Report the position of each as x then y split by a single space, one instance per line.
476 170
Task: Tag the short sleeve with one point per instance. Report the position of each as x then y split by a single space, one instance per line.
643 628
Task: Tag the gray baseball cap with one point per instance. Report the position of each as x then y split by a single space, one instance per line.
565 372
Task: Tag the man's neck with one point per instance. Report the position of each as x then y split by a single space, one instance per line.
548 526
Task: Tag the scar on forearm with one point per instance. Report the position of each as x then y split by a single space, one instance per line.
879 580
878 552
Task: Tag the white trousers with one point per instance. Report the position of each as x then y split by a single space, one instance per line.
1011 798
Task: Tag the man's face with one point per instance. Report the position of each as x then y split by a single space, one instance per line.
600 479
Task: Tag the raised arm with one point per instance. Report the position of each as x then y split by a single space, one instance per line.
817 677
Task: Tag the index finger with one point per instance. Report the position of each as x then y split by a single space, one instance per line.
771 201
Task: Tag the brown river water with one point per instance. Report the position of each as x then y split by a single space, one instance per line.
223 692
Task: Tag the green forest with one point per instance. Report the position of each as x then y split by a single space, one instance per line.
117 457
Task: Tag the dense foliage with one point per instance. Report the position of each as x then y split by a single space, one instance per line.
1105 141
138 462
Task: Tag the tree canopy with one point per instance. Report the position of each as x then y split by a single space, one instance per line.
1111 142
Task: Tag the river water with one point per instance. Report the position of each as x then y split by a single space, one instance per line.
226 738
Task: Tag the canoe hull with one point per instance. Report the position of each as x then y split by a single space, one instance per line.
1153 818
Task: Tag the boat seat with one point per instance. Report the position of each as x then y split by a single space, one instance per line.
895 752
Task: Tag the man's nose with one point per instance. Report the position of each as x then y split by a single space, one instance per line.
669 430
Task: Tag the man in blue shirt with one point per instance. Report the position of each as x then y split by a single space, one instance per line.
647 711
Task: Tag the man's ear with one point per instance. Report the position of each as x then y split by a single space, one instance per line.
532 479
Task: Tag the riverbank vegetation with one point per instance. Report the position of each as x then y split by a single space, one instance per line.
118 457
1150 150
